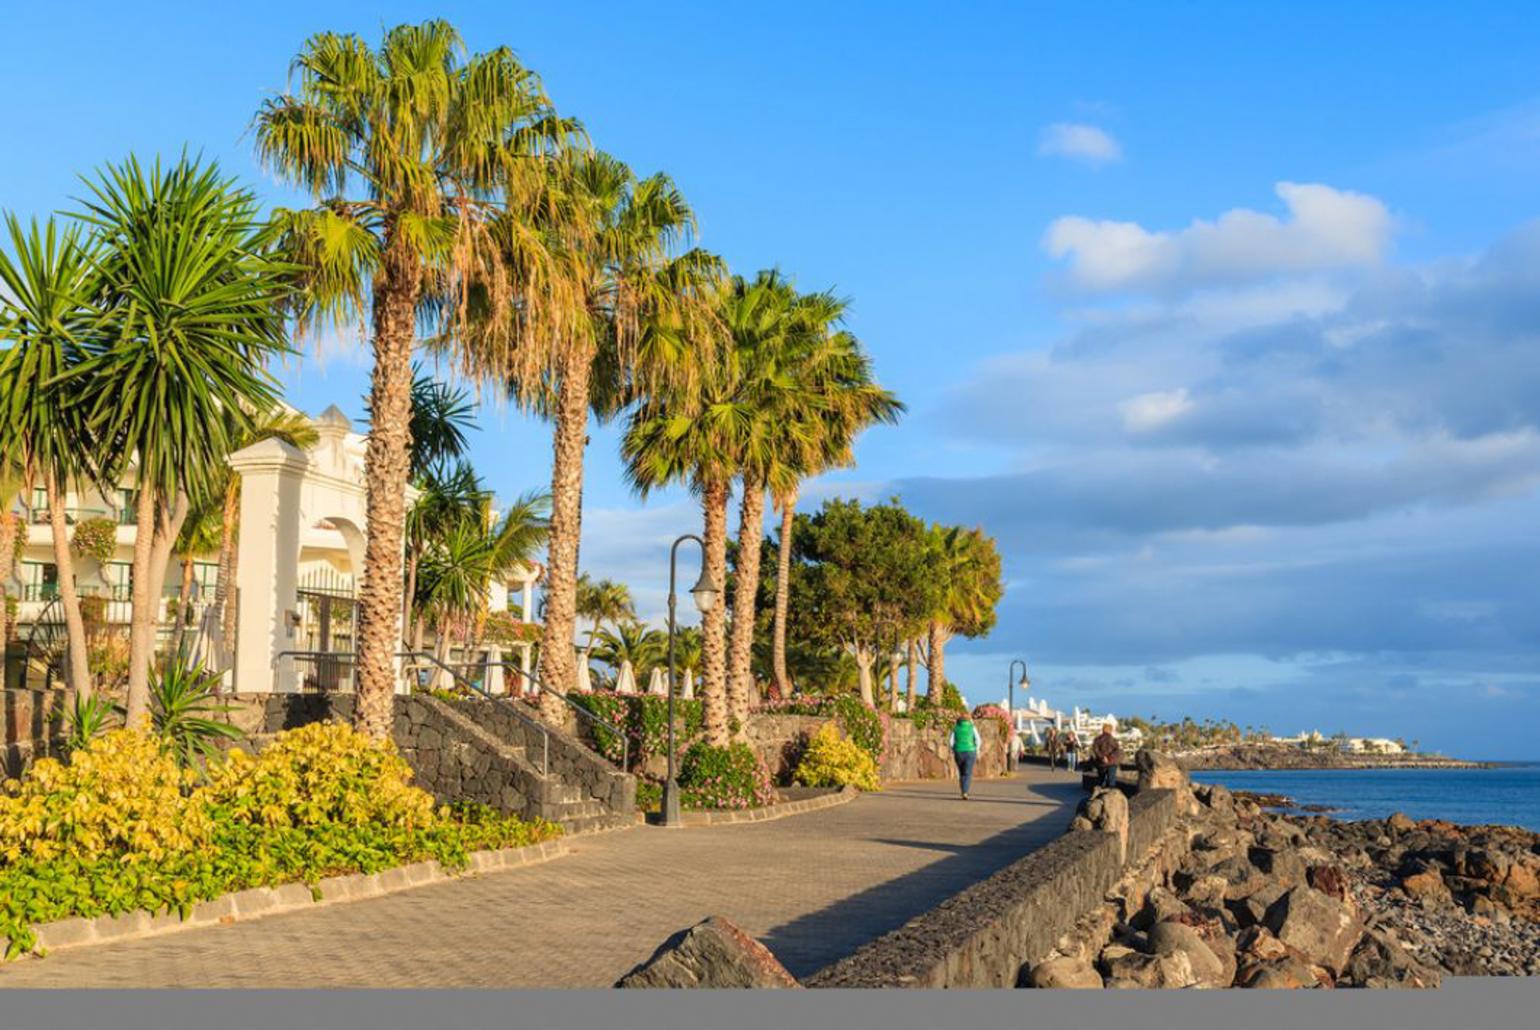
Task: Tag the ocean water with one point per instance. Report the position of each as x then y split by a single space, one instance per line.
1509 794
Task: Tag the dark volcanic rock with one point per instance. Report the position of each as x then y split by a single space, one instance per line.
712 953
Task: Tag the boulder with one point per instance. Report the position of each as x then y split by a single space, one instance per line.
1381 961
1159 771
1321 928
1329 880
1126 967
1257 944
1523 878
1208 893
712 953
1074 973
1400 822
1173 938
1280 866
1427 886
1288 973
1252 909
1107 810
1161 903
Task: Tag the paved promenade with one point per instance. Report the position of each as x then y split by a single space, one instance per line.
812 887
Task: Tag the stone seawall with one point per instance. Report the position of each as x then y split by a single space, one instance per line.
912 753
991 934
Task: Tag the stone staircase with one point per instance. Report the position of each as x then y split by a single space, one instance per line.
578 812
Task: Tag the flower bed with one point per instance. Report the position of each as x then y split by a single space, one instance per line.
121 828
641 720
862 723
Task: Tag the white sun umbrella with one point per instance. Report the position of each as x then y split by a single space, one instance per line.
585 678
687 685
657 683
625 683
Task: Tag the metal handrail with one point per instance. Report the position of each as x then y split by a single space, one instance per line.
625 738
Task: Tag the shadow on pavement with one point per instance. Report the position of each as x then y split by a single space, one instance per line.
808 943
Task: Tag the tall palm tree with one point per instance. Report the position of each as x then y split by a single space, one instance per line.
848 400
614 241
194 311
449 494
602 601
968 566
410 151
49 323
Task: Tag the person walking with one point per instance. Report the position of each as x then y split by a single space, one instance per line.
965 751
1071 750
1106 756
1051 741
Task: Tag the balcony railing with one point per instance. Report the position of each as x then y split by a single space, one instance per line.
72 515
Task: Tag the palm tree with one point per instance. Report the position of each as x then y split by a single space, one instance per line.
49 322
633 642
612 239
968 566
848 401
410 151
194 314
604 601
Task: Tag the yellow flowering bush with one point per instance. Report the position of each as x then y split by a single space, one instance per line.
325 772
121 828
121 795
834 761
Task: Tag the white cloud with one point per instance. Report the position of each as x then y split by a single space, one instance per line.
1325 228
1078 142
1150 411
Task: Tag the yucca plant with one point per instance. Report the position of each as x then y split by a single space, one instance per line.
88 717
182 705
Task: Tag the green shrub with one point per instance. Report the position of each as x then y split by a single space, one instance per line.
182 702
95 538
640 720
863 724
122 828
724 777
833 761
649 796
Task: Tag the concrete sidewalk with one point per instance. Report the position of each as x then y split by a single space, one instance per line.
812 887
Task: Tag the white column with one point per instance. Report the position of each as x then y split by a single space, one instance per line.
271 474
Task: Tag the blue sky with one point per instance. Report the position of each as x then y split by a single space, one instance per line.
1226 321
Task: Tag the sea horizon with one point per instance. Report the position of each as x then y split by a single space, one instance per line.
1507 793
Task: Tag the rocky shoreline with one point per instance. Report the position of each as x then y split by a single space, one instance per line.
1260 757
1244 897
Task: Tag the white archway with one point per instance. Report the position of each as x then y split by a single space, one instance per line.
298 507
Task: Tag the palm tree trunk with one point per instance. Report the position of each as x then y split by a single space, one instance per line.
751 536
783 595
77 669
892 683
224 585
183 601
714 621
909 674
407 595
558 663
935 672
386 469
141 627
8 531
864 660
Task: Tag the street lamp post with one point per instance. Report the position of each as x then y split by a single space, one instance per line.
1010 686
705 594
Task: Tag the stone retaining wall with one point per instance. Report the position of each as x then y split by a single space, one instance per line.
33 724
469 750
912 754
990 934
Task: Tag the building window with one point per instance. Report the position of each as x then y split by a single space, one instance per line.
119 579
39 581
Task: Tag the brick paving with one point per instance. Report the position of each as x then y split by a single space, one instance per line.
812 887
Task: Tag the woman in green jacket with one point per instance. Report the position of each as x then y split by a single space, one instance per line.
965 751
